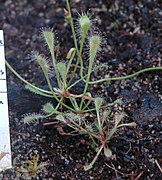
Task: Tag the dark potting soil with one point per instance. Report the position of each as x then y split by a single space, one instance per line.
132 42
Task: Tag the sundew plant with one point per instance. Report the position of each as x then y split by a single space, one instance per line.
84 114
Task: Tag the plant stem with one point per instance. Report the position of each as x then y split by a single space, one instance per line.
76 82
80 51
88 103
95 158
68 66
74 103
55 111
99 121
87 81
125 77
26 82
80 128
39 89
55 68
102 107
75 42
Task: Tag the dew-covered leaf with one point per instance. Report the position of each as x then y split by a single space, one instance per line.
61 118
98 103
107 152
31 117
48 108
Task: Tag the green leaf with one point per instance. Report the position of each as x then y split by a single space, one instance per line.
31 117
106 113
73 116
118 101
48 36
107 152
111 133
48 108
98 103
100 67
71 53
61 118
118 118
61 67
42 62
36 91
94 46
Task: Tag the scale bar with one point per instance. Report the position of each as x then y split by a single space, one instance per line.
5 146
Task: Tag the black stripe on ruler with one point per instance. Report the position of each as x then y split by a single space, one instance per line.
1 43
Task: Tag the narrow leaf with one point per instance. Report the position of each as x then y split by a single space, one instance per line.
98 103
43 64
118 118
106 113
71 53
48 108
61 118
36 91
31 117
48 36
61 67
107 152
94 46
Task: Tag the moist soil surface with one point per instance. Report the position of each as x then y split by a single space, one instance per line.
131 31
